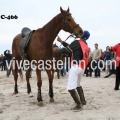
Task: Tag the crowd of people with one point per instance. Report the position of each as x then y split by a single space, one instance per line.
101 61
98 61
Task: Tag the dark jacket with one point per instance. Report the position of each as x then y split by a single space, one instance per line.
74 48
8 56
3 60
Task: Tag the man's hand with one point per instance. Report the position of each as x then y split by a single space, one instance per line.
59 39
55 49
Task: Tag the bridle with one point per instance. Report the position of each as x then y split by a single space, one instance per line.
67 38
71 29
65 23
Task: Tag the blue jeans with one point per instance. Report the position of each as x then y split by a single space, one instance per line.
63 70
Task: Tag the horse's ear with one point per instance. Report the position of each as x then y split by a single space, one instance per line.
68 10
61 9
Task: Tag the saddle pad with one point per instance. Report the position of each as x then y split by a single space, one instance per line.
24 43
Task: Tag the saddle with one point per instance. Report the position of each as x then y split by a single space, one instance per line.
25 31
26 34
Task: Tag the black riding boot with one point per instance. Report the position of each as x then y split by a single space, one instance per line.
76 99
81 94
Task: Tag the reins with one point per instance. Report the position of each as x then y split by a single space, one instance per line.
67 38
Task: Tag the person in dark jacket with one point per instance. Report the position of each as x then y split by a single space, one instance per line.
108 56
112 69
8 56
3 63
79 52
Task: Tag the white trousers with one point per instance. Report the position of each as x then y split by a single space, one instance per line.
74 78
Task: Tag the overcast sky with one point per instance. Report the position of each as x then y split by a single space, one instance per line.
100 17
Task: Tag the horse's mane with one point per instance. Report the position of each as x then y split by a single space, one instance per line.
52 22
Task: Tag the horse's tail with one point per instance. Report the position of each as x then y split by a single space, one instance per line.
20 71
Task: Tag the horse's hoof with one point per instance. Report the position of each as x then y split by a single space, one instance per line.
30 95
15 94
40 104
51 99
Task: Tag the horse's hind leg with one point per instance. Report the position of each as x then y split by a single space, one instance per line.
28 82
39 84
50 76
15 79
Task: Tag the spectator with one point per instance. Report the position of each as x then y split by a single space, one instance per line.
88 70
96 55
102 58
63 70
8 56
2 61
116 49
112 68
102 55
108 56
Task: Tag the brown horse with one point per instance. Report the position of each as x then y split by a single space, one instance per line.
40 48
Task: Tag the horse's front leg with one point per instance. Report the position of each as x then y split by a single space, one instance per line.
15 79
39 84
28 82
50 76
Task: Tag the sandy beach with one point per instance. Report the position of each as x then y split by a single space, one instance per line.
103 103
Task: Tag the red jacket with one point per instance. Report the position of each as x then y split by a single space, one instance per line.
102 55
116 49
83 64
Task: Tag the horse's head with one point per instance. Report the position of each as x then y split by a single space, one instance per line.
68 24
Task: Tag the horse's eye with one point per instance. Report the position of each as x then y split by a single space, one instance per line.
68 19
